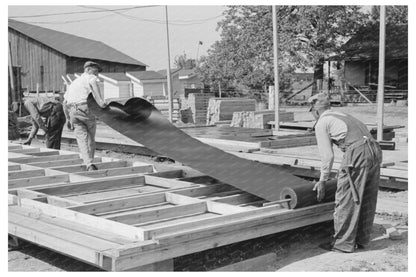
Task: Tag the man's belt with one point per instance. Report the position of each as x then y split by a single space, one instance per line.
75 105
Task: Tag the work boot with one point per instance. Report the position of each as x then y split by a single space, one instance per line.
91 167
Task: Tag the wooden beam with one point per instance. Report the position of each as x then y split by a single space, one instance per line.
14 167
30 160
160 213
120 204
26 173
166 183
117 171
30 182
127 231
94 186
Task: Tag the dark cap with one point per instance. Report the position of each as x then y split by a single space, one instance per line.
92 64
319 101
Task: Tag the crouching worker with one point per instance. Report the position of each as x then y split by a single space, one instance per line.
358 176
52 111
79 117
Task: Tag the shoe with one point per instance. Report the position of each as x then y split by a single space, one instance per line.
326 246
91 167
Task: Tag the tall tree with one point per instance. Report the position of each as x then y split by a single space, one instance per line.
182 61
307 34
394 14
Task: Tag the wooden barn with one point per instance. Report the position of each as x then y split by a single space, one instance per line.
147 83
43 56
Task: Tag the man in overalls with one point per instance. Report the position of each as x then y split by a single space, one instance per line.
358 176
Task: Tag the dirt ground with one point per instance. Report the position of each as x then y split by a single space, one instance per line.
296 250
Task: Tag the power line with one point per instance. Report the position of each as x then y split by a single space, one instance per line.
82 12
157 21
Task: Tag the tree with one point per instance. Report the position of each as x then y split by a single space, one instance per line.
307 34
394 14
182 61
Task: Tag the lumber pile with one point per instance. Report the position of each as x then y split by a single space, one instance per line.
162 104
258 119
222 109
288 141
198 105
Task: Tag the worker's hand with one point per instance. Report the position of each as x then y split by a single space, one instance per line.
27 142
69 125
320 190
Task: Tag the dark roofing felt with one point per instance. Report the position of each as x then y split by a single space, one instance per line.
71 45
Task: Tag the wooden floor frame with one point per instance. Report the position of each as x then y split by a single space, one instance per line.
126 216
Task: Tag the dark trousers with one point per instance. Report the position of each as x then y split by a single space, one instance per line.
55 124
353 221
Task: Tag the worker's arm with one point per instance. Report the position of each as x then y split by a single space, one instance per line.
95 89
326 151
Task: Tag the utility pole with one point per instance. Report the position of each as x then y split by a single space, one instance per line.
170 94
381 65
276 72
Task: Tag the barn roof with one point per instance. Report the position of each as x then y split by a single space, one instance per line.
71 45
115 76
365 44
146 75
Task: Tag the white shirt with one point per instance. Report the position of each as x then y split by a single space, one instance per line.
80 88
328 128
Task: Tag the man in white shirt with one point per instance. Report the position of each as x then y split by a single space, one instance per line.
358 176
79 118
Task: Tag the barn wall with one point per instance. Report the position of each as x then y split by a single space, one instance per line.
35 58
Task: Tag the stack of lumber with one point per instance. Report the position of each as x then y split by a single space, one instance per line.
258 119
222 109
198 104
162 104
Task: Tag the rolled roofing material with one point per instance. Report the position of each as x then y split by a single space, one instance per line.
140 121
303 195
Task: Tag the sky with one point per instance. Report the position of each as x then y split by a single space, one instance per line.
139 33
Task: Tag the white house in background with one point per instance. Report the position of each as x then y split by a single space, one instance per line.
116 85
183 79
147 83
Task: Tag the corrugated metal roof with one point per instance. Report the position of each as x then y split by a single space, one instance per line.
71 45
146 75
